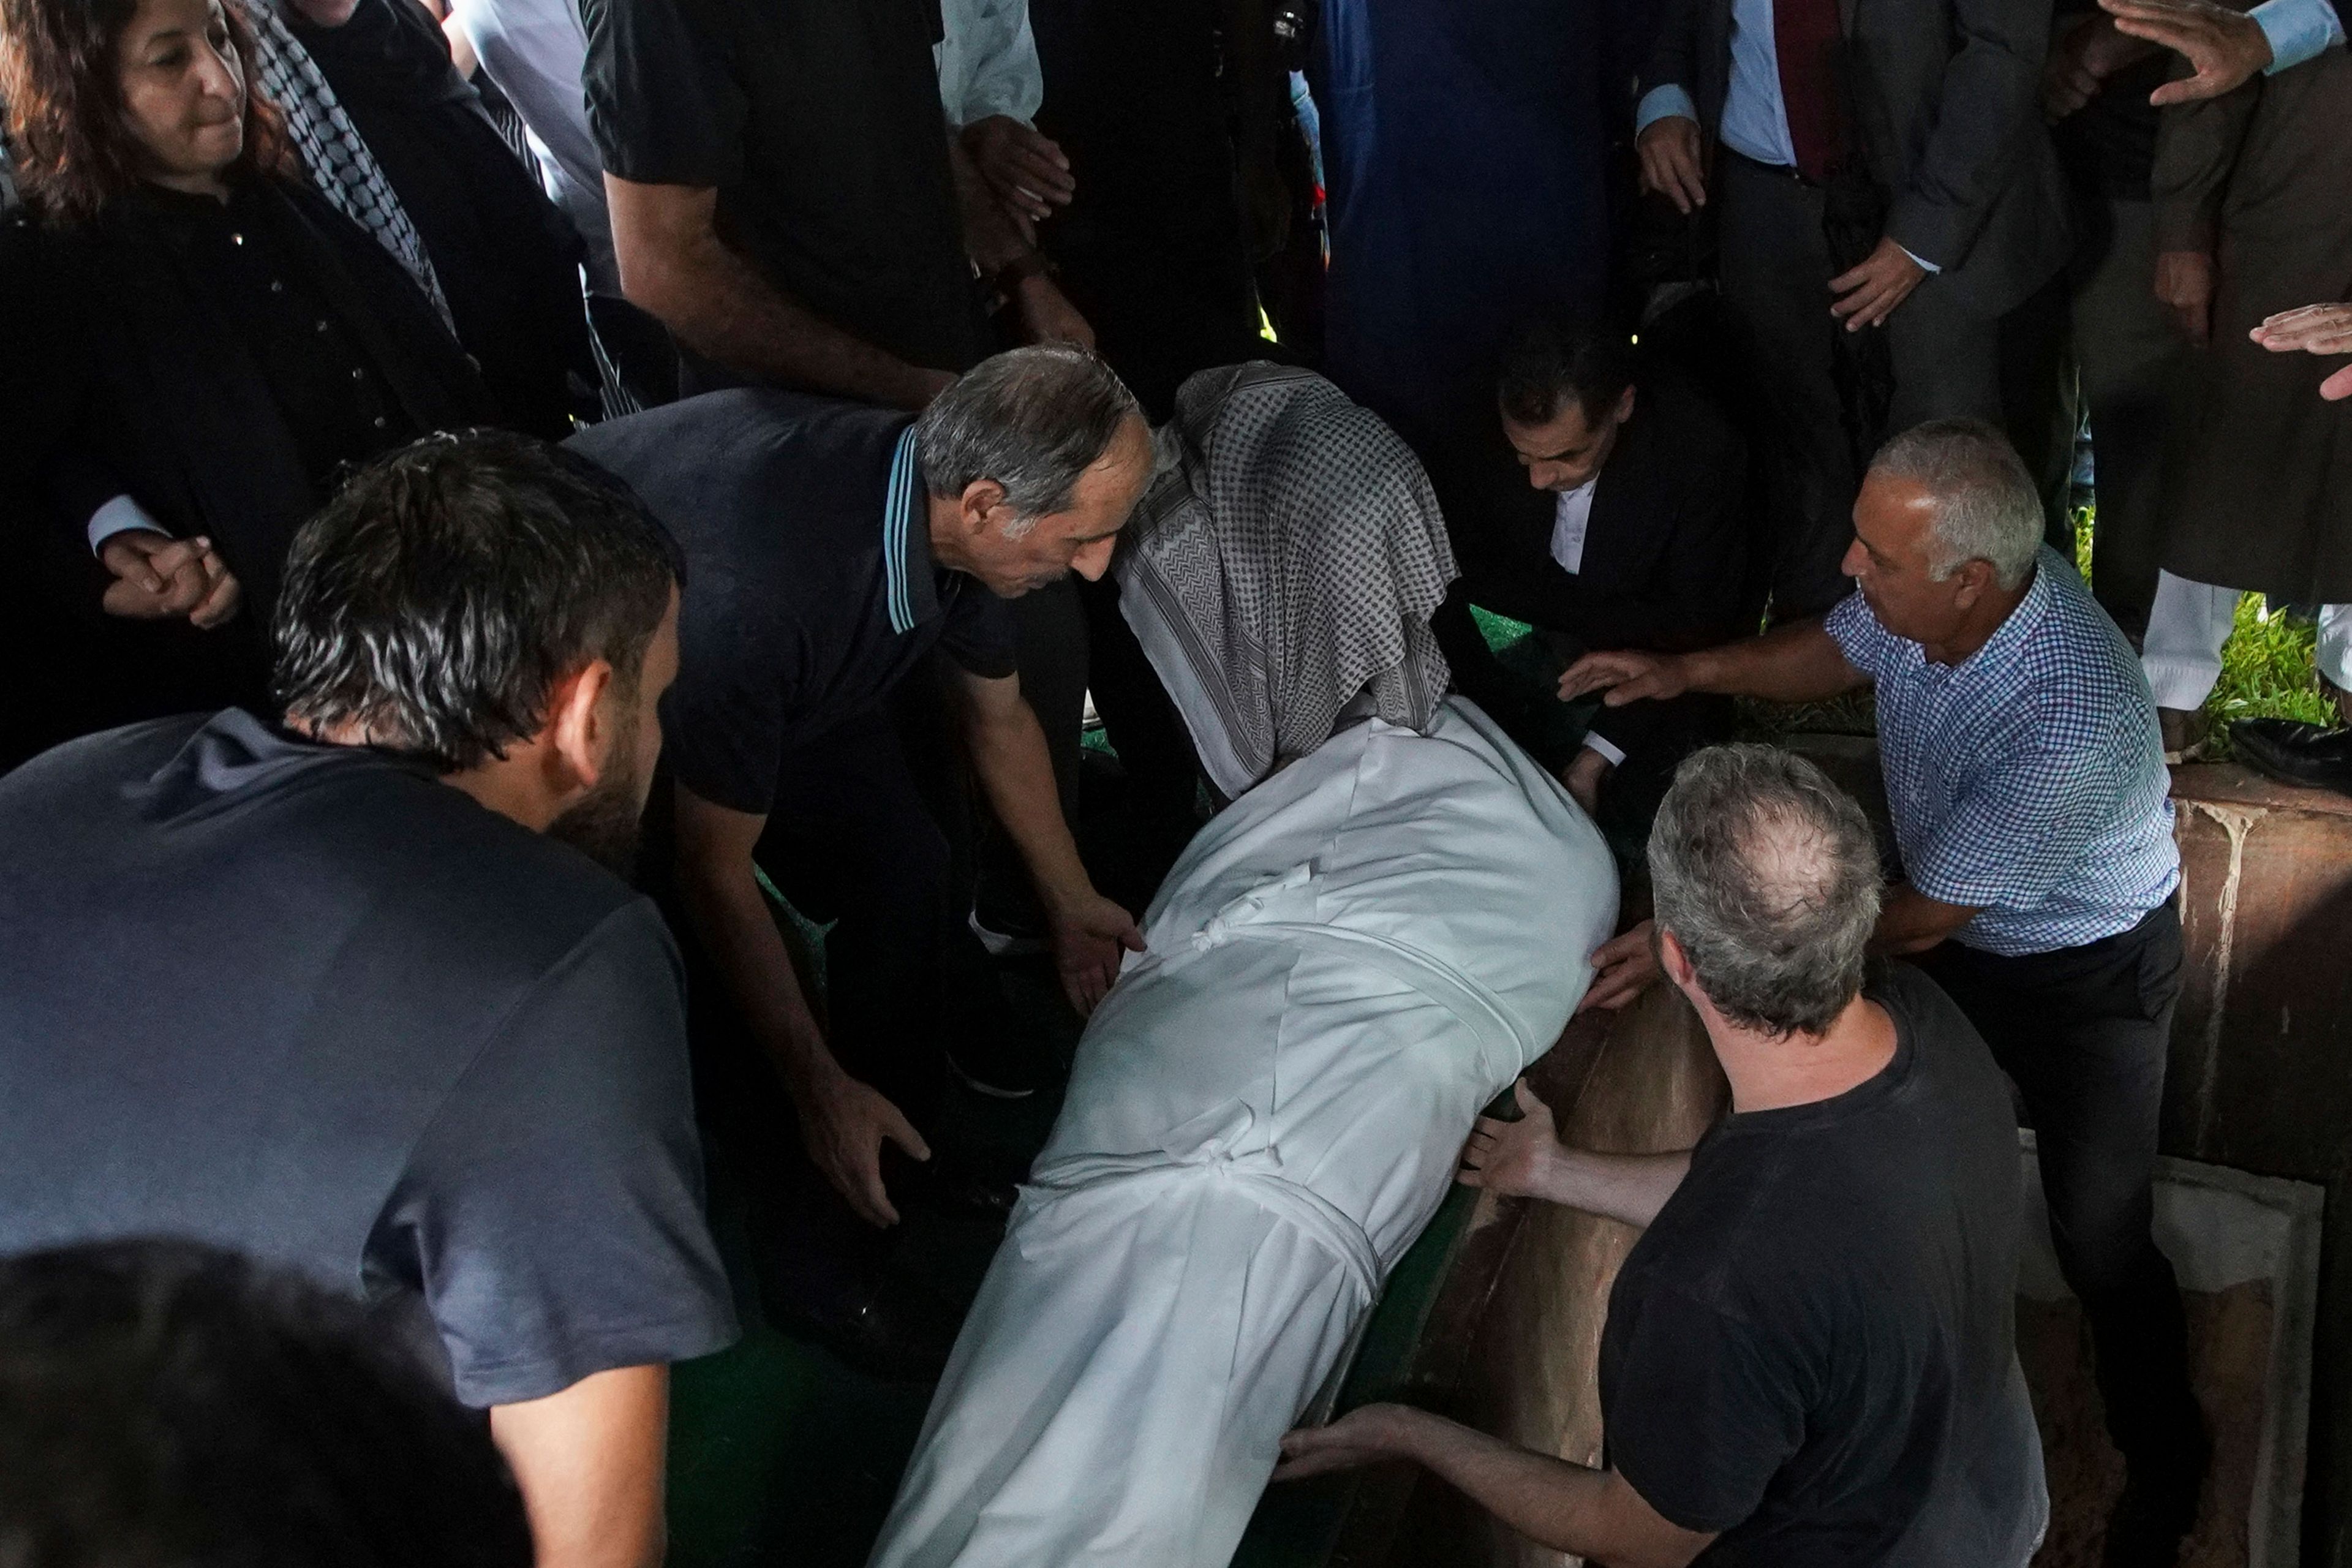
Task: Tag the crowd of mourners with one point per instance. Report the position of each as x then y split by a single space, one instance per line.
520 508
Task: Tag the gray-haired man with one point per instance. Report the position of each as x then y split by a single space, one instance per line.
830 547
2031 805
1810 1355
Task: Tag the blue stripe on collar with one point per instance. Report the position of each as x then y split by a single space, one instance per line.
897 516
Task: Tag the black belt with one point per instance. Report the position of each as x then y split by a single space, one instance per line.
1777 171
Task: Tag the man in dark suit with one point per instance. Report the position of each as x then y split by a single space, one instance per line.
1877 165
1606 516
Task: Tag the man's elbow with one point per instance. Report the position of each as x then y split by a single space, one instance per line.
650 273
657 252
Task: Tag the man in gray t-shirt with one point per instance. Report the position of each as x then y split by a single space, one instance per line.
335 993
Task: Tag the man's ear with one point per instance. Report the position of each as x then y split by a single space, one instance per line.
1625 403
979 502
1675 961
1976 578
577 739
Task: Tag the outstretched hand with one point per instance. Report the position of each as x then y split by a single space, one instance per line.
1624 676
1091 938
2225 46
2313 329
1622 968
1513 1159
845 1123
1365 1435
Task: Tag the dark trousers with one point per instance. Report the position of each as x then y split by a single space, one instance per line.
1949 360
2083 1032
2128 351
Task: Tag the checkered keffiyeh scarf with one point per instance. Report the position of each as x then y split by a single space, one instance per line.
1292 549
338 161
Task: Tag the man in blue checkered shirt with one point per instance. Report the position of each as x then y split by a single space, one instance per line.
2031 803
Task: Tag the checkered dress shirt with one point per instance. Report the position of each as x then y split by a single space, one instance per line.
2028 780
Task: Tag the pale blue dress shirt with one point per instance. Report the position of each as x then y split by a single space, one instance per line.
2298 30
1755 119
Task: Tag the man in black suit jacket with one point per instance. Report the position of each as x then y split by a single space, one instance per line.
1873 164
1606 516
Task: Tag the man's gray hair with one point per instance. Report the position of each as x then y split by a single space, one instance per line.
1986 506
1033 419
1767 874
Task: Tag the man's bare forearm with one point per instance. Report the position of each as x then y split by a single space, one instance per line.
1795 663
1910 921
1629 1188
675 266
1016 773
1566 1507
730 914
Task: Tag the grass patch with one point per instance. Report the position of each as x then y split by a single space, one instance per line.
2266 665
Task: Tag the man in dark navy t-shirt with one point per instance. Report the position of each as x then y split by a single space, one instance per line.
1810 1355
343 993
831 548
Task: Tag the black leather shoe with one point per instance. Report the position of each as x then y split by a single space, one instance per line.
2295 753
896 1335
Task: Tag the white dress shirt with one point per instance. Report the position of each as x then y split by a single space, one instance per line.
1571 512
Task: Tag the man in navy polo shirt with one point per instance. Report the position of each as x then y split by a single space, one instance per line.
2031 804
831 548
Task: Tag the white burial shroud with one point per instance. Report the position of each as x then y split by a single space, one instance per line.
1348 963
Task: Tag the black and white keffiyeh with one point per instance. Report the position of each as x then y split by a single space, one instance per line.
334 157
1282 566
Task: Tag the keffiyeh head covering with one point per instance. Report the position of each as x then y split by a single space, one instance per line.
339 166
1284 564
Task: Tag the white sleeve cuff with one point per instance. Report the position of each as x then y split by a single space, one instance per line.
120 515
1609 750
2298 30
1668 100
1925 265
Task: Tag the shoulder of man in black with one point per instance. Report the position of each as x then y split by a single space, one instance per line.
721 469
1679 446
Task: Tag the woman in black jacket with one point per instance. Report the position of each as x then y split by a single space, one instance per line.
205 343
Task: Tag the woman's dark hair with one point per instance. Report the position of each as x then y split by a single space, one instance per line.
434 603
165 1404
61 85
1554 359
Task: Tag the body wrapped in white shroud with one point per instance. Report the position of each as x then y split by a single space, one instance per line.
1344 967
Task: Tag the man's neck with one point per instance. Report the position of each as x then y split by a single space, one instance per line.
507 784
1772 1073
1990 615
941 516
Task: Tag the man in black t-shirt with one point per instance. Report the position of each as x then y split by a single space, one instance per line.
787 198
831 548
1810 1356
344 993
